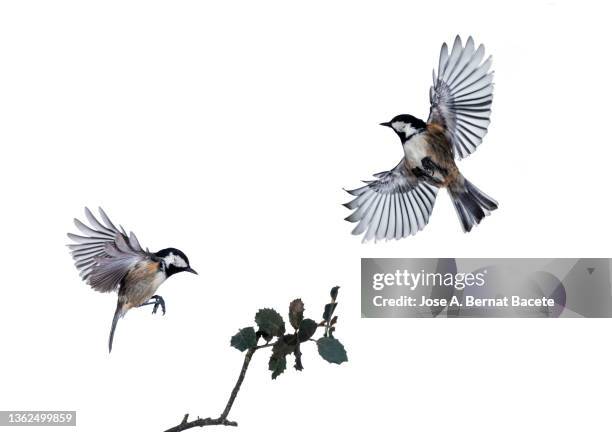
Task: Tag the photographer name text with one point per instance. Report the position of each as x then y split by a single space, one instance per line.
468 301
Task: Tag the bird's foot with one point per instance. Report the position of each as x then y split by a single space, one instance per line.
423 175
159 301
431 167
156 301
420 172
428 168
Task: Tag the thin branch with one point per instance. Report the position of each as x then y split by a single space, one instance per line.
236 389
201 423
222 419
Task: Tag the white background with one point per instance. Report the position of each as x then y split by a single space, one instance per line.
228 130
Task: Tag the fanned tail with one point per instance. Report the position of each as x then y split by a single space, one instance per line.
471 203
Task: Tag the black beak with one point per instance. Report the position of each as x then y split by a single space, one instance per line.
388 124
190 270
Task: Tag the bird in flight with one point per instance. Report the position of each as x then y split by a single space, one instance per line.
400 201
110 260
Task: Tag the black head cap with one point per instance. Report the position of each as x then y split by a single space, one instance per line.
405 125
174 261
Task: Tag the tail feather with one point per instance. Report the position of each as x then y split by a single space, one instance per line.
472 204
486 201
118 314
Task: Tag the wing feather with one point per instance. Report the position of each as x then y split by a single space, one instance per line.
370 208
391 219
463 61
103 254
394 206
397 234
381 232
453 59
405 216
462 94
96 224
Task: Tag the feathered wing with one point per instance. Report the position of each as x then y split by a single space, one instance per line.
461 95
393 207
103 254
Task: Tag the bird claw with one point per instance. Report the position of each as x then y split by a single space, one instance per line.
159 301
428 166
431 167
420 172
427 176
156 301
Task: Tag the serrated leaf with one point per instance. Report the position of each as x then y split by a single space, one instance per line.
277 365
329 311
334 293
307 329
244 339
284 345
270 322
296 313
332 350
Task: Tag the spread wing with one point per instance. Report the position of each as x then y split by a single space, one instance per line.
393 207
461 95
103 254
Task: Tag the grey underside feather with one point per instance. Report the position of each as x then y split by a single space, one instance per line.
394 206
104 254
462 95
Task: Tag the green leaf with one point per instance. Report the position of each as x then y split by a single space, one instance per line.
284 346
329 311
332 350
244 339
277 365
296 313
334 293
270 322
307 329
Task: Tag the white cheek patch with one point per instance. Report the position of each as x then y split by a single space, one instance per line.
398 126
405 128
175 260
